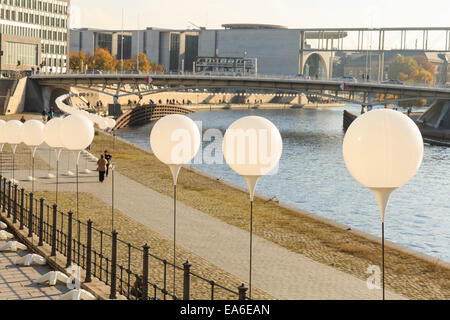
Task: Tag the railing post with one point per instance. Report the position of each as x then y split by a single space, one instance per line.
112 295
30 217
41 223
22 199
145 272
4 194
187 280
55 209
69 239
15 205
1 190
242 292
9 199
89 252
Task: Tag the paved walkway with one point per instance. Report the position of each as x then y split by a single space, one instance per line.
18 282
278 271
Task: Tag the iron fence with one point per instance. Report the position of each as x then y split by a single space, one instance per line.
127 269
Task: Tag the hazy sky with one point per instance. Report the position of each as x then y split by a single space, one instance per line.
290 13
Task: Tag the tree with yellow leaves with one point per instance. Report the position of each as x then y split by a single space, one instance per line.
102 60
78 61
412 69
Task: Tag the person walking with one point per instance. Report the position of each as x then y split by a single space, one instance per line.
102 164
108 158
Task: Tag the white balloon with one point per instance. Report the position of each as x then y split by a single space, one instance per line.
2 135
11 131
51 133
111 123
32 133
252 146
76 132
102 124
175 139
383 149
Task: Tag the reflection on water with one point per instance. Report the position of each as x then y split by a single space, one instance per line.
312 176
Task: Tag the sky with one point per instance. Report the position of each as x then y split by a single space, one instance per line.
179 14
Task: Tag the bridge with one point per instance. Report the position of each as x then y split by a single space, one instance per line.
122 85
144 114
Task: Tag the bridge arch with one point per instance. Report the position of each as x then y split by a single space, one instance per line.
315 66
55 93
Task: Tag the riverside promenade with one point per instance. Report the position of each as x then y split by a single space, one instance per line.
19 283
280 272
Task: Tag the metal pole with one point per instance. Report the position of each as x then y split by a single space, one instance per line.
174 234
121 50
382 254
251 248
32 175
57 178
77 192
112 197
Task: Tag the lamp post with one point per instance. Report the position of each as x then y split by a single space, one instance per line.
76 133
53 140
252 147
11 131
112 167
32 134
175 140
383 150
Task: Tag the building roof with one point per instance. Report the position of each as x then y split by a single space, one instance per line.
252 26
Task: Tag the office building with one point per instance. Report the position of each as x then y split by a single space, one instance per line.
34 34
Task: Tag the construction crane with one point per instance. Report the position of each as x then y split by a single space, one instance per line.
196 26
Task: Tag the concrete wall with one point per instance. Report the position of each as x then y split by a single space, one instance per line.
17 100
277 50
164 51
152 45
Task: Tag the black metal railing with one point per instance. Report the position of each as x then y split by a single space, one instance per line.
131 271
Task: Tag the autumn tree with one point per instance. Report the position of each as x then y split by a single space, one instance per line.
102 60
78 61
412 69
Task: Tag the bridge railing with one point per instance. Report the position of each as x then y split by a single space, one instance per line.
243 76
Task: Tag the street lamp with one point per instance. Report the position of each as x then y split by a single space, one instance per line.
383 150
175 140
11 131
32 134
252 147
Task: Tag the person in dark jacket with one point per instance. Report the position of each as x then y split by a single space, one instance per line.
102 164
108 158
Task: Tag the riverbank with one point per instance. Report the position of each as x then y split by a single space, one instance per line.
262 106
298 231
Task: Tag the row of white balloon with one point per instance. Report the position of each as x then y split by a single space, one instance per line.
74 133
102 122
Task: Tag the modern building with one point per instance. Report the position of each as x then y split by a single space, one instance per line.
34 34
277 49
88 40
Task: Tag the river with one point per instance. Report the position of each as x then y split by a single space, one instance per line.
312 176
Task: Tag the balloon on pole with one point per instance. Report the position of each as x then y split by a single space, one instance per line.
175 140
383 150
11 131
32 134
252 147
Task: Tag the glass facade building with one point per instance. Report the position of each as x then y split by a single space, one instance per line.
34 34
